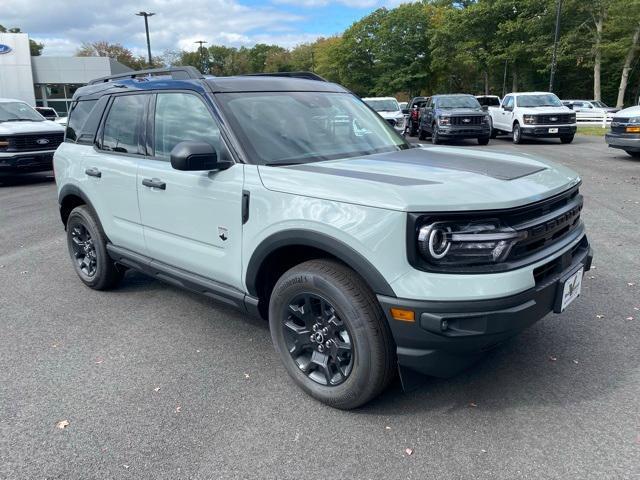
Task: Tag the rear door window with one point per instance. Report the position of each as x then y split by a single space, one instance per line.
124 127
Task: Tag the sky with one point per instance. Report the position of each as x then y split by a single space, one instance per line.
62 25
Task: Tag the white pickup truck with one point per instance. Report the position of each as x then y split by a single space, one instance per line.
533 114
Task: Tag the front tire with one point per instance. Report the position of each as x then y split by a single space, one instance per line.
422 135
87 246
435 138
331 334
483 140
633 154
567 139
517 134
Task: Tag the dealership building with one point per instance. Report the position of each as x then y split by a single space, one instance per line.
47 81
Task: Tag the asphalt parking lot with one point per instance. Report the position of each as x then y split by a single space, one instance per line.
158 383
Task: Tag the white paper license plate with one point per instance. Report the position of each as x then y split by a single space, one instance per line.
571 290
553 130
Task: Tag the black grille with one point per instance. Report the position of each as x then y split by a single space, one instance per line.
550 269
467 120
545 226
619 125
556 119
34 142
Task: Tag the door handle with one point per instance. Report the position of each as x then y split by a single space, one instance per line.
93 172
154 183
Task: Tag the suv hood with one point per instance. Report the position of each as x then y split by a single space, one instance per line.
425 179
629 112
10 128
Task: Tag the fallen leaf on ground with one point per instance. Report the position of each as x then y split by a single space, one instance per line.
99 360
483 451
472 404
599 316
387 427
62 424
157 389
631 284
552 358
576 362
126 466
408 451
246 375
24 271
178 409
629 318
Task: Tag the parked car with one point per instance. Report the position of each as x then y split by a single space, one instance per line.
589 106
243 189
453 117
389 109
487 101
27 139
414 111
625 131
47 112
403 105
533 114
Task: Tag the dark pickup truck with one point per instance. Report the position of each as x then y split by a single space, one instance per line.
453 117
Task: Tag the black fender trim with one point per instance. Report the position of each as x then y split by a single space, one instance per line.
309 238
71 189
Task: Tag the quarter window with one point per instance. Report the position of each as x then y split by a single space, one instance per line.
508 102
77 118
123 127
182 117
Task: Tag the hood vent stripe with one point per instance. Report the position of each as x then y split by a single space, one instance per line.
498 169
374 177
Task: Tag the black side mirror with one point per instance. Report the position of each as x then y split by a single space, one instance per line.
405 111
507 109
485 107
197 156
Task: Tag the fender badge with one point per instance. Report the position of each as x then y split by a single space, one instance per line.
223 233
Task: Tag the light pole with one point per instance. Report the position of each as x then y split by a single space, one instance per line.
146 27
201 48
555 45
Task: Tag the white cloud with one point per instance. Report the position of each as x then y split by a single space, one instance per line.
324 3
64 24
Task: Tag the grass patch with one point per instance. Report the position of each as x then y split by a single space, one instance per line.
596 131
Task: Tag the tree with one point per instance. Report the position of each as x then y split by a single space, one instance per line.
35 48
117 52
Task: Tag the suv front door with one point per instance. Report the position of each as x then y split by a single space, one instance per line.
194 220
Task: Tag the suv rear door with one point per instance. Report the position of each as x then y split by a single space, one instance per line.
111 167
195 221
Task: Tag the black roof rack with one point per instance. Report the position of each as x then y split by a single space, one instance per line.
305 75
177 73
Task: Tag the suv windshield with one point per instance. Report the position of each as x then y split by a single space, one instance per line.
457 101
300 127
18 111
383 105
599 104
541 100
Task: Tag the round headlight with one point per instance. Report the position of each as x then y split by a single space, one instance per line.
434 241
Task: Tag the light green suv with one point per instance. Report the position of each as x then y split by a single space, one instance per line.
288 197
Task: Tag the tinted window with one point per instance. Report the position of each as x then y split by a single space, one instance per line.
539 100
182 117
508 102
77 117
458 101
122 129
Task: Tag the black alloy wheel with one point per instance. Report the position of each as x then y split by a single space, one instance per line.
318 341
84 250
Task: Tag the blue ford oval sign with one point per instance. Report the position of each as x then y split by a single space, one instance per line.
4 48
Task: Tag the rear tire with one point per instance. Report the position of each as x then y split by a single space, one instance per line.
87 246
327 298
567 139
633 154
516 134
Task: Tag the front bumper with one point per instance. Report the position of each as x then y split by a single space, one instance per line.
625 141
542 131
455 131
25 162
474 327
